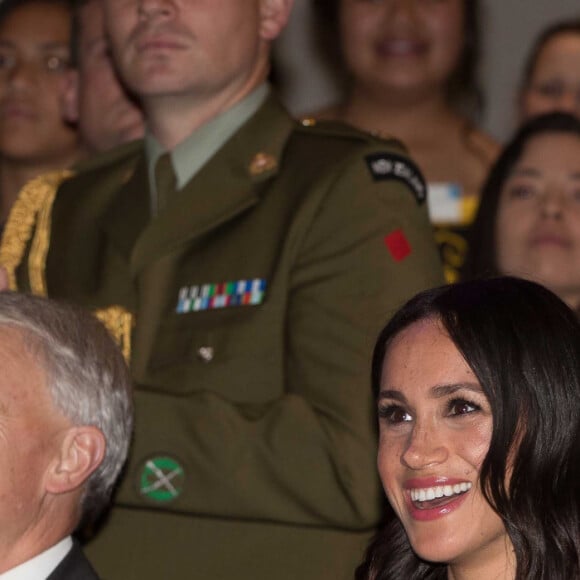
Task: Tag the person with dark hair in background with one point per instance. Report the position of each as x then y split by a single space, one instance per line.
34 60
410 71
242 257
96 98
66 422
551 79
477 387
528 223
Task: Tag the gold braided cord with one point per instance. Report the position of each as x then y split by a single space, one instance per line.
35 195
119 322
39 247
30 217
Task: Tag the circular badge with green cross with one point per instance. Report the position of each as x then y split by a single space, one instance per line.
161 479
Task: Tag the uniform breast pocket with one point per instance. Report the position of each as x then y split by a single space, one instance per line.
235 352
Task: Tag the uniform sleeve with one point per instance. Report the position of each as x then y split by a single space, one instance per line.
308 457
370 248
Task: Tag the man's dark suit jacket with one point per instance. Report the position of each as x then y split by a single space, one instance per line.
74 566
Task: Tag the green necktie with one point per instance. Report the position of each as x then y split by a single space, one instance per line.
165 181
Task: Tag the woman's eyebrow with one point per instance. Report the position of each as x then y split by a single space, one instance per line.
392 394
525 172
439 391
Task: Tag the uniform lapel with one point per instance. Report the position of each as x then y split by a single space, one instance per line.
229 184
129 212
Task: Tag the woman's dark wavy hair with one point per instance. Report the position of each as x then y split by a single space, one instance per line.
463 90
523 345
548 34
481 257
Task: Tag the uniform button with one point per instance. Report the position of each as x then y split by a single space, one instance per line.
205 353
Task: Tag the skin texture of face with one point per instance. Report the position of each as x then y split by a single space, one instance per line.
538 220
409 46
107 116
435 429
193 48
555 81
34 54
31 433
190 60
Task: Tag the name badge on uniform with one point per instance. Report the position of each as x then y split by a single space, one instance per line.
222 295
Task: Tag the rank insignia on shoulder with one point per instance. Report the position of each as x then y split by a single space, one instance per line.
388 166
225 294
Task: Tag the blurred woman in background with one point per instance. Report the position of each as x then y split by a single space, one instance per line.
551 80
411 73
528 223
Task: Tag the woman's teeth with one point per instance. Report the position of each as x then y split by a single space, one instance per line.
431 493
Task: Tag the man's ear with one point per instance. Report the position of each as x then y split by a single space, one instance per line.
70 98
81 452
274 16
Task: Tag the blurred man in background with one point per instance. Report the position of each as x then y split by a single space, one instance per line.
96 99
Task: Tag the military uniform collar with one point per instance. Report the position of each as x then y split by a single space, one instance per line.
192 154
228 184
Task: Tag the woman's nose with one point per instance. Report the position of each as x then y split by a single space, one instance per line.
552 204
424 448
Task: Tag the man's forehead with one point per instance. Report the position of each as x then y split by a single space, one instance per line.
14 343
23 376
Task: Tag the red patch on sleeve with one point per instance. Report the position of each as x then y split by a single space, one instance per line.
398 245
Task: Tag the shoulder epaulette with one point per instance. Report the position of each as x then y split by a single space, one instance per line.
332 128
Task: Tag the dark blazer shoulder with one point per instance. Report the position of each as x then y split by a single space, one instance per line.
74 566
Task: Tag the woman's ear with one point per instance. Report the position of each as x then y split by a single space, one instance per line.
82 450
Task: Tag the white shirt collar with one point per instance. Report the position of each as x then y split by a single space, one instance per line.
41 566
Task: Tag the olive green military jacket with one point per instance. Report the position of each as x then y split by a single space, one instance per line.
254 300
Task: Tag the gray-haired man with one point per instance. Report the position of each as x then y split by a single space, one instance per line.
65 425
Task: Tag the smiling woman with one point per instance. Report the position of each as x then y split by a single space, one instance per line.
477 387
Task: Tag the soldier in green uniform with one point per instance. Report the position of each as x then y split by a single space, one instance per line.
246 275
